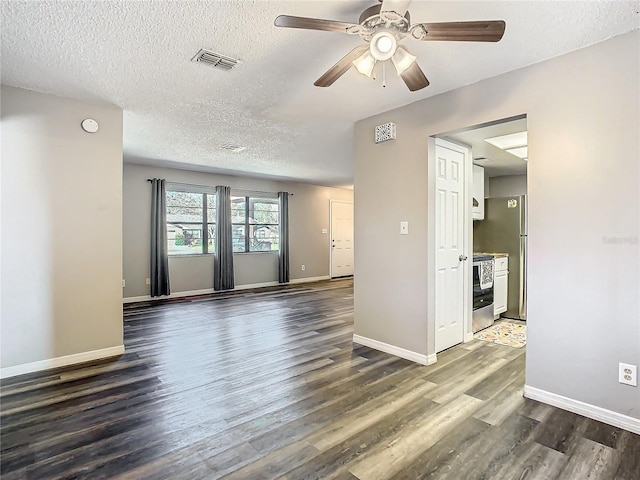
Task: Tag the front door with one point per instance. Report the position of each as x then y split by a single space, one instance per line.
341 238
451 245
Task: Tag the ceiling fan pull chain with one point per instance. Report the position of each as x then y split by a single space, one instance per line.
384 74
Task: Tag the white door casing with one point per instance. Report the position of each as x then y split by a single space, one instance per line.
452 255
341 247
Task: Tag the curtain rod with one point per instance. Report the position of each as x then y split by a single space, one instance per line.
208 186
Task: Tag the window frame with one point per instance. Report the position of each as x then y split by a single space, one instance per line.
204 224
247 223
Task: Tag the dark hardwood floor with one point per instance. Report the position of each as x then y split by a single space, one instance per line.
268 384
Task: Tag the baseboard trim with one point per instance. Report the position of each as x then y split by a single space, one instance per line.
149 298
467 337
207 291
193 293
397 351
591 411
310 279
61 361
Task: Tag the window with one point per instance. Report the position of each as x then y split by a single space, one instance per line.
255 224
191 222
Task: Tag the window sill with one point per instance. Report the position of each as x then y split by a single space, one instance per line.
257 253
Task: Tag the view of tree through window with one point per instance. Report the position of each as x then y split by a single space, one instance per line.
191 227
255 224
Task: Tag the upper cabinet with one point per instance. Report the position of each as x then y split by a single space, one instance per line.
478 193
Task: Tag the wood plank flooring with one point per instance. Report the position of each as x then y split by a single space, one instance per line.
268 385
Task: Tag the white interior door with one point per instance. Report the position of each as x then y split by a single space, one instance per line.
341 238
451 244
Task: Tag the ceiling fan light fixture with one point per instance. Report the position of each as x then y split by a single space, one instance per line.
365 63
402 60
383 46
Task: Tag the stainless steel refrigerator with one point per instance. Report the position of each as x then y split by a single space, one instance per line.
504 230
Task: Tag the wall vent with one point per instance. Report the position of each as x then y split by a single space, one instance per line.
213 59
385 132
233 148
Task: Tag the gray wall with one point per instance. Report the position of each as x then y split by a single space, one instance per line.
308 215
61 227
506 185
584 184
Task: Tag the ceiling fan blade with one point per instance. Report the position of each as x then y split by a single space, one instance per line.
398 6
289 21
414 77
341 67
483 31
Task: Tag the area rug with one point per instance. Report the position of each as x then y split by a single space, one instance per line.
504 333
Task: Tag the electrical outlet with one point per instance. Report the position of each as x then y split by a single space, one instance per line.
147 281
628 374
303 267
123 283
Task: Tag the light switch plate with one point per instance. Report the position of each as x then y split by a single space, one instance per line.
324 230
404 228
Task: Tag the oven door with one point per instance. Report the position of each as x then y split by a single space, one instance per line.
481 298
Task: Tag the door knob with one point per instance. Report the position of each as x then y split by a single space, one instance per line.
462 257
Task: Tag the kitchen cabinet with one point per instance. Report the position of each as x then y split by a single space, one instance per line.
500 285
477 212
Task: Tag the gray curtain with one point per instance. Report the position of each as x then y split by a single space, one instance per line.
283 257
223 263
159 255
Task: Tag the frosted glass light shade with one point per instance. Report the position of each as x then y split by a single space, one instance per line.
383 45
402 60
365 63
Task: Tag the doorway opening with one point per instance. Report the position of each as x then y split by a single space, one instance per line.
495 276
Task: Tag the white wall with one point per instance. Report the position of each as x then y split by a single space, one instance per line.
308 215
506 185
61 228
584 190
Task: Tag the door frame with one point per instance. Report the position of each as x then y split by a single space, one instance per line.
331 202
431 239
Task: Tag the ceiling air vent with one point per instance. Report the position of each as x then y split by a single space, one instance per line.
233 148
213 59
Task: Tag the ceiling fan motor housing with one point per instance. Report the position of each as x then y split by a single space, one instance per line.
375 11
371 22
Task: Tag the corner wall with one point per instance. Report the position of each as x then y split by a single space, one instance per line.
61 231
308 215
583 117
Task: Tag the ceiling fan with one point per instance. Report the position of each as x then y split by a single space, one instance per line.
383 27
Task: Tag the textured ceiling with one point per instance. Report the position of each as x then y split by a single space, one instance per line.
136 54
